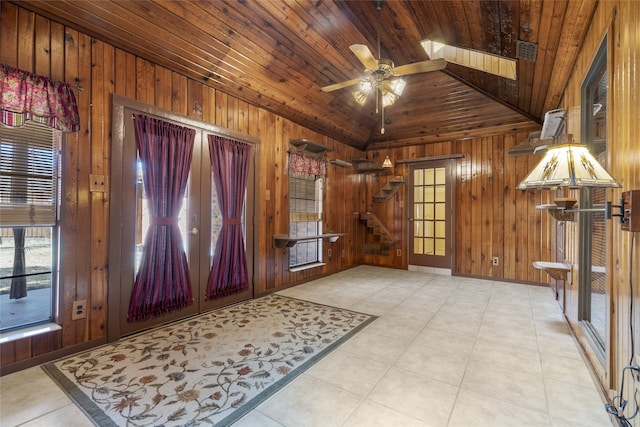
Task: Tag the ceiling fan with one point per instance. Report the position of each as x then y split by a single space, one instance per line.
381 76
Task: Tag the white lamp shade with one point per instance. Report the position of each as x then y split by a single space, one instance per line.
387 163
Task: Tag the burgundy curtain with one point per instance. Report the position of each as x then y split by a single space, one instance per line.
27 96
230 167
162 283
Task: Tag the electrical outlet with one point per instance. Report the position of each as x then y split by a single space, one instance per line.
267 195
344 253
398 252
79 310
496 260
329 252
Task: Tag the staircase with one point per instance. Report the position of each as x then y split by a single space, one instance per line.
391 188
379 230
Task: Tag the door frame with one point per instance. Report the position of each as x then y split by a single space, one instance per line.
450 163
122 109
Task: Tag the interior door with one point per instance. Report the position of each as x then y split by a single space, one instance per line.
431 221
198 223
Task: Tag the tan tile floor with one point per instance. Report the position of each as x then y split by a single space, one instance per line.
445 351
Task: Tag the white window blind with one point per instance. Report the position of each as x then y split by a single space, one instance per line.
28 175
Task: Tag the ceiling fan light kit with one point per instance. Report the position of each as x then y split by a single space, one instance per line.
379 75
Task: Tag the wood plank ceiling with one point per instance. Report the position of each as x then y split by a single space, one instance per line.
278 54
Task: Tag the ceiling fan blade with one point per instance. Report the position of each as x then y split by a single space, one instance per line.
365 56
341 85
420 67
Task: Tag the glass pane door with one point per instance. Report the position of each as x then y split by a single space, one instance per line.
592 276
430 223
199 222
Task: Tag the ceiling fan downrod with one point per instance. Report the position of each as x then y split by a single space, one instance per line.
379 77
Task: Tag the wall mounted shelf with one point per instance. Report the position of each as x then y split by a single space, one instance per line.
378 229
560 214
560 209
558 271
390 188
342 163
309 146
366 166
283 241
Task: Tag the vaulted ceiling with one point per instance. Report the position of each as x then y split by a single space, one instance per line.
279 54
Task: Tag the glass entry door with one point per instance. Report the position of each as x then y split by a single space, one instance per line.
431 220
594 297
199 223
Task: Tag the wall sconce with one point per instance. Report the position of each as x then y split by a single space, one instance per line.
573 166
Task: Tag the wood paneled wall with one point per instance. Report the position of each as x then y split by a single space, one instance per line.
620 21
36 44
493 219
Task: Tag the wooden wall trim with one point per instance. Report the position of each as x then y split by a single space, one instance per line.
50 356
431 159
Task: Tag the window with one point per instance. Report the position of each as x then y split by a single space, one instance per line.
29 182
593 255
143 216
305 219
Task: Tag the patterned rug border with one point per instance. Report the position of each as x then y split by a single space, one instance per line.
100 419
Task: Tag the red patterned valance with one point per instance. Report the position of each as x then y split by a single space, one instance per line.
27 96
304 166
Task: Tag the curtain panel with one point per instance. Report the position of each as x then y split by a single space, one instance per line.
162 283
230 169
302 165
27 96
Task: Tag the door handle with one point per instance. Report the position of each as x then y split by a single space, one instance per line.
194 231
410 219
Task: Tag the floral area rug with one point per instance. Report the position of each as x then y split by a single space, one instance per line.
208 370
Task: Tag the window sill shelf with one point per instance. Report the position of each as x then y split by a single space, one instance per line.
557 270
283 241
306 267
28 332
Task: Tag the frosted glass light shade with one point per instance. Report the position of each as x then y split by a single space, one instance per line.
568 165
364 88
391 91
